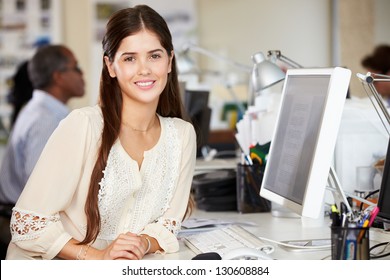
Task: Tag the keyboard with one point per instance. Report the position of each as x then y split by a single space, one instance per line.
223 240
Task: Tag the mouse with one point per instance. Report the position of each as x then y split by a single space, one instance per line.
245 253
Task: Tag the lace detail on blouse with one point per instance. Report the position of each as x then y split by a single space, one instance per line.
128 198
113 193
26 225
173 225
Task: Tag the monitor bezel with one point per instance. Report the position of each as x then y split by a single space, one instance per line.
313 197
384 190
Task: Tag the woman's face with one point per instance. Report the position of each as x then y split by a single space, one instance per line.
141 66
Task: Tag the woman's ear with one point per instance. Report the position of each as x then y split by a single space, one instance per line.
170 61
109 67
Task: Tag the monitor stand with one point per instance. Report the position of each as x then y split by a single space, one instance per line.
282 212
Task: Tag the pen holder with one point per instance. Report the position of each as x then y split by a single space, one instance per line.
350 243
249 178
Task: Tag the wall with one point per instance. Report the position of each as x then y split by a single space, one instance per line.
241 28
301 29
77 35
382 21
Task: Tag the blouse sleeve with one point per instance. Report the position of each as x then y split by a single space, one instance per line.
35 224
167 226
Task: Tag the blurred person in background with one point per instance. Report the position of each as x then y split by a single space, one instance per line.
56 77
21 89
379 63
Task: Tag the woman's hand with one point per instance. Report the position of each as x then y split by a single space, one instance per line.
128 246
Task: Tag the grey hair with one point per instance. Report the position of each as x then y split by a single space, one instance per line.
45 62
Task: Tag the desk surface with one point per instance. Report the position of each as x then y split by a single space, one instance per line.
274 228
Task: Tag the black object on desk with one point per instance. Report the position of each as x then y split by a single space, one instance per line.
249 179
215 190
208 256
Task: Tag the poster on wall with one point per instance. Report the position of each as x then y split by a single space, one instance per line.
103 10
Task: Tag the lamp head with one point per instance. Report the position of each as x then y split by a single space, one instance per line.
264 73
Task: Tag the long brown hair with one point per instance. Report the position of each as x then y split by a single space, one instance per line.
121 24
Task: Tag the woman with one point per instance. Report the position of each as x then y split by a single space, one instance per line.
113 182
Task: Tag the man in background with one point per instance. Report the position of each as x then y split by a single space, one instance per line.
379 63
56 77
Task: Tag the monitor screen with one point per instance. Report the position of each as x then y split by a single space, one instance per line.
196 106
384 191
304 138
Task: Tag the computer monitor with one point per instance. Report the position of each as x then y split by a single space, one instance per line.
384 191
196 106
304 138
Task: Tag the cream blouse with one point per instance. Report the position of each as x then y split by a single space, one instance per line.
150 200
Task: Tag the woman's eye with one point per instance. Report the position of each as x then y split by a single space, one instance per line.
155 56
129 58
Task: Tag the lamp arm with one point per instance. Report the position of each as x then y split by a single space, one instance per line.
382 112
210 54
278 55
289 61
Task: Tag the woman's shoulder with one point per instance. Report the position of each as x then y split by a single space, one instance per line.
88 111
89 116
180 124
93 113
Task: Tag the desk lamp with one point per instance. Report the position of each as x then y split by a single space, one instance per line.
375 98
264 74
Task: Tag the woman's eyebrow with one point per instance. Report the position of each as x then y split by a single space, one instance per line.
151 51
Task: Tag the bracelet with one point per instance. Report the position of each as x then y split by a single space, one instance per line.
85 252
149 245
78 257
79 253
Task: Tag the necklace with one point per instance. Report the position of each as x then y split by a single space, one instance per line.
139 130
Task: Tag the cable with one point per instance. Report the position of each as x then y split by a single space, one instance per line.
379 255
367 196
319 247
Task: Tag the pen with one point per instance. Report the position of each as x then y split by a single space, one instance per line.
350 243
364 219
361 233
335 216
373 215
248 159
343 209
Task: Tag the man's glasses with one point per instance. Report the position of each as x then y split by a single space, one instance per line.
74 69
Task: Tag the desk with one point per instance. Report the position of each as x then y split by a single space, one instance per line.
275 228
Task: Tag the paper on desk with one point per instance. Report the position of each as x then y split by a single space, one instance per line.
263 127
243 135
